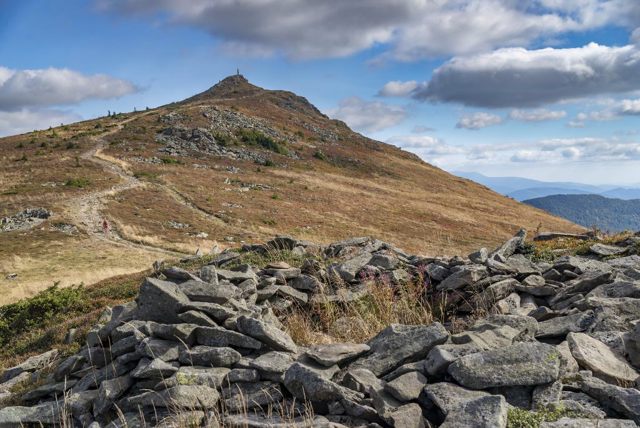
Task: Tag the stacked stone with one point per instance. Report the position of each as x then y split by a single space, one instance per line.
207 347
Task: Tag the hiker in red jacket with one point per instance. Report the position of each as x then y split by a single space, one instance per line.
105 228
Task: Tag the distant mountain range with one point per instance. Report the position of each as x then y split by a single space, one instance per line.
613 215
522 189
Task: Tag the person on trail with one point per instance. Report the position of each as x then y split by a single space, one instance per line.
105 228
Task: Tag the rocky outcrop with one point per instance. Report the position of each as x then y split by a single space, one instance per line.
24 220
209 345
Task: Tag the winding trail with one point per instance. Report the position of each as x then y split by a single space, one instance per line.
85 210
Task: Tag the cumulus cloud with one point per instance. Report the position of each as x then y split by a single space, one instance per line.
546 152
537 115
425 145
25 120
630 107
478 120
398 88
517 77
55 86
368 116
297 28
409 29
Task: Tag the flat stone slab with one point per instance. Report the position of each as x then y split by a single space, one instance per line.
448 396
407 387
336 353
607 250
486 412
399 344
561 326
600 359
589 423
523 364
266 333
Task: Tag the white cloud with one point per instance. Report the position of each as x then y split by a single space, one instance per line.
597 116
576 124
630 107
24 120
409 29
537 115
543 153
55 86
527 156
368 116
424 144
517 77
398 88
478 120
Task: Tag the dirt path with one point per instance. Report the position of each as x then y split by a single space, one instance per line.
85 210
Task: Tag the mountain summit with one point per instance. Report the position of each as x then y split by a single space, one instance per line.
234 86
236 163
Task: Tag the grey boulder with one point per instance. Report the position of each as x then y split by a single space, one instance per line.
521 364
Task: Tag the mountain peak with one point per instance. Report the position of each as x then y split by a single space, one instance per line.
234 86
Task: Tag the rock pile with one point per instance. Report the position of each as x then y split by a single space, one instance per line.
23 220
179 139
207 349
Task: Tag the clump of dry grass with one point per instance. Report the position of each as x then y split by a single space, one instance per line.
386 303
549 250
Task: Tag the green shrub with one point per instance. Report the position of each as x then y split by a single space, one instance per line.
224 140
320 155
77 182
170 161
257 138
34 312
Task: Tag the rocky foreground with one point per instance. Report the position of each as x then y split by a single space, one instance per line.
207 349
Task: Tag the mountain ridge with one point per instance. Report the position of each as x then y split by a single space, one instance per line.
609 214
224 167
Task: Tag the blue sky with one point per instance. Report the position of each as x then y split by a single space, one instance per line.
547 89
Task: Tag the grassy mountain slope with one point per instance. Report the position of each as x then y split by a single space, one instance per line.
608 214
236 163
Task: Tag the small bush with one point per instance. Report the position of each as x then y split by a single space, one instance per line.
257 138
170 161
34 312
71 145
224 140
77 182
320 155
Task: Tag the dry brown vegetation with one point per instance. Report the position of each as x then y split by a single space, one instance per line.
356 186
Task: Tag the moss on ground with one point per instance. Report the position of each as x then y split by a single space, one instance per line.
520 418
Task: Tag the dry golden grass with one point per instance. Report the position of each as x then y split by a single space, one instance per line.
359 321
360 187
42 258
